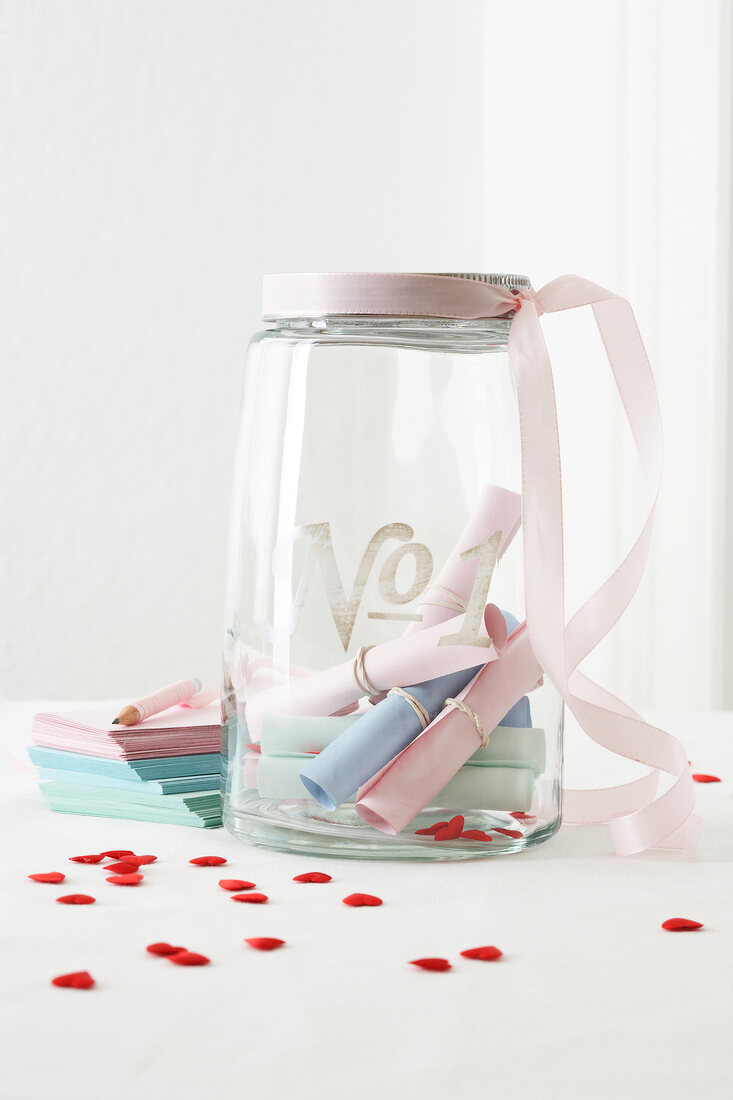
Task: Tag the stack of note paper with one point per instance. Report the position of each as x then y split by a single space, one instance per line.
164 769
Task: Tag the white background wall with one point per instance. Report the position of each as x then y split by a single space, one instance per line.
157 157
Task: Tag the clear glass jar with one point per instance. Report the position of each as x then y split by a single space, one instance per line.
367 444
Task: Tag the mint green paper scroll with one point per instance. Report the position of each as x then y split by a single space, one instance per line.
498 777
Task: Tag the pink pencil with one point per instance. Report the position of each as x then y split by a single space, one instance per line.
168 696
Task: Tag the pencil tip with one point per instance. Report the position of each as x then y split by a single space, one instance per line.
115 721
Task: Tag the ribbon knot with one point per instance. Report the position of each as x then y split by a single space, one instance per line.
521 296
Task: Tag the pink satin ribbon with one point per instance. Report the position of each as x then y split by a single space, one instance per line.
638 819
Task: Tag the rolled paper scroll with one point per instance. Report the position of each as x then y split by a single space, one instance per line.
381 733
497 510
412 780
409 659
487 788
288 735
512 747
472 788
302 737
520 714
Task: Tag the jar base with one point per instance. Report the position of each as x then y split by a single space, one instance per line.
297 827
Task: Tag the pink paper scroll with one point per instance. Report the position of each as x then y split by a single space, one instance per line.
409 659
401 789
498 509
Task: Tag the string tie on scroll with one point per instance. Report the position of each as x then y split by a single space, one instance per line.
414 703
465 709
456 603
360 677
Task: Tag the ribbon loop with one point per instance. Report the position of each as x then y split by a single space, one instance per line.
637 819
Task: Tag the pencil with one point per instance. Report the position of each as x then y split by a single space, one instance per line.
160 700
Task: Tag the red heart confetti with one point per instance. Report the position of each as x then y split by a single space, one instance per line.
163 949
431 964
236 884
87 859
513 833
475 834
125 880
362 899
76 899
452 830
681 924
208 861
486 954
188 958
80 979
699 777
520 815
48 876
432 830
118 853
253 899
312 876
140 860
123 868
265 943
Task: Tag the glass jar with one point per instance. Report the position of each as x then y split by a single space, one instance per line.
375 569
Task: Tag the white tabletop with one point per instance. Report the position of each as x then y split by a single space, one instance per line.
591 1000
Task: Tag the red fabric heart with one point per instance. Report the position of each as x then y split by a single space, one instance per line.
87 859
139 861
48 876
253 899
520 815
123 868
163 949
431 964
486 954
118 853
265 943
475 834
362 899
312 876
208 861
188 958
125 880
513 833
79 979
76 899
699 777
432 830
681 924
236 884
452 830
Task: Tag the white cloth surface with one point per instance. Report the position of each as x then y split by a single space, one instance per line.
591 1000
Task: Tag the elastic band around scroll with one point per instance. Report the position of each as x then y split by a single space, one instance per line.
360 676
414 703
465 709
